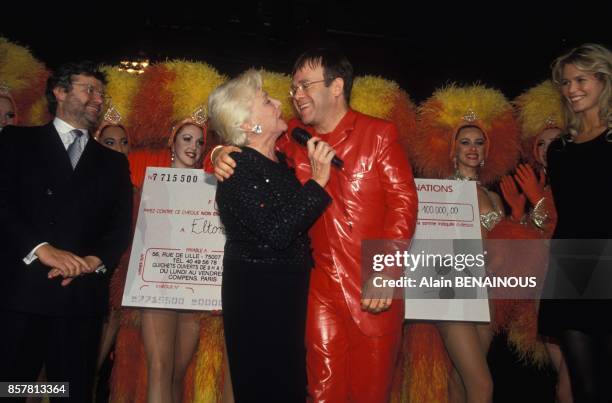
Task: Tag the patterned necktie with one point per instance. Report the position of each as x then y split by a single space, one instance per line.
75 149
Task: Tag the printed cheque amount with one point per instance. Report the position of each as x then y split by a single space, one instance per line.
445 211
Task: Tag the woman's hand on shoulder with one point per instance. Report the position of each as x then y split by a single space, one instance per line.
223 163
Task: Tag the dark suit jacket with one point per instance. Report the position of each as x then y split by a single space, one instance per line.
86 211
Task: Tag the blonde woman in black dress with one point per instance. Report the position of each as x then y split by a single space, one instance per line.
580 172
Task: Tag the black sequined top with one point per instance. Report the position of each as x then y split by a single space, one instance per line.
267 212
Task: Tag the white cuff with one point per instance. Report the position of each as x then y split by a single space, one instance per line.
31 257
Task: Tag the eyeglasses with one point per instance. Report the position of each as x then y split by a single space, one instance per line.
90 90
302 86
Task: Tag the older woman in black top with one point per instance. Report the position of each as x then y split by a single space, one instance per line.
266 213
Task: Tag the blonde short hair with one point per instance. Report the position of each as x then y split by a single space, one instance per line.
594 59
229 106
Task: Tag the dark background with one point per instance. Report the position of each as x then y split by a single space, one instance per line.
507 45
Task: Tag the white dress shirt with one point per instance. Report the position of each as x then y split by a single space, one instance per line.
64 129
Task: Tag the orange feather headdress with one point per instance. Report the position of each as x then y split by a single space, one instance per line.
170 92
446 112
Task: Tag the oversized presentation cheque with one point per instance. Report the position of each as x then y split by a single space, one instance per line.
448 223
177 252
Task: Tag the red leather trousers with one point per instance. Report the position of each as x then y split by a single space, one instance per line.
343 364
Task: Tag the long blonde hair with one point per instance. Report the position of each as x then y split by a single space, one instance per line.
594 59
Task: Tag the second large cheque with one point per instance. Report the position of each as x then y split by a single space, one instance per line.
448 224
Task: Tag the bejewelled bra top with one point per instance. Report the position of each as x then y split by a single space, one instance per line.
492 218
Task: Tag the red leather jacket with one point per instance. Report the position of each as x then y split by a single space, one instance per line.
375 198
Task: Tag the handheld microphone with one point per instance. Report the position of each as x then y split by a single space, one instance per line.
302 136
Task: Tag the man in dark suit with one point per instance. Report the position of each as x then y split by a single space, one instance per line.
65 214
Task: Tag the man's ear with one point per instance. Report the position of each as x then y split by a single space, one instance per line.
60 93
337 87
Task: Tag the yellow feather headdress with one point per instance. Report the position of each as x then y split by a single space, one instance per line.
122 88
540 108
277 86
193 82
450 108
384 99
26 77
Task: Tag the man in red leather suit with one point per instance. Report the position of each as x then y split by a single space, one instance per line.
351 341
